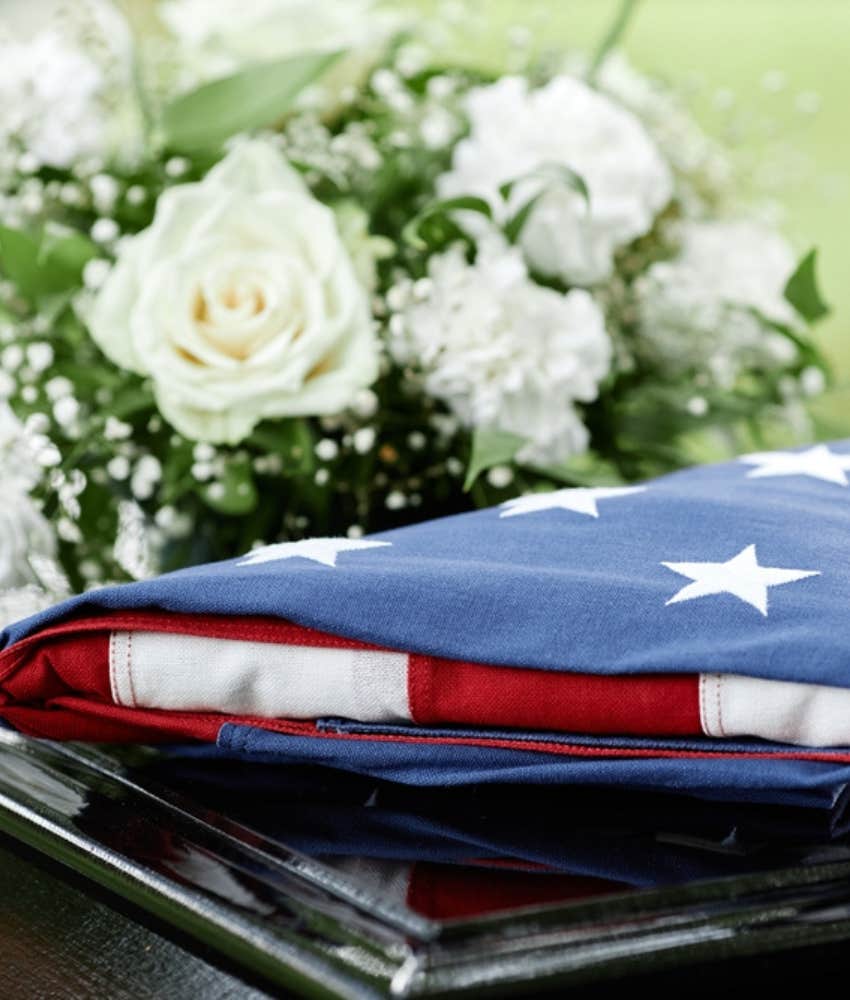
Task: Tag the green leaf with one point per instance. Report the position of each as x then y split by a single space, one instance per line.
43 264
66 254
235 493
809 352
131 401
292 439
612 37
585 470
417 231
19 259
256 97
802 290
552 175
490 447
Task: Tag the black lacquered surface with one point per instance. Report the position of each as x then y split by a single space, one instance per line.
346 886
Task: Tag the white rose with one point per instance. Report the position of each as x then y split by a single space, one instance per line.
240 302
217 38
504 352
515 131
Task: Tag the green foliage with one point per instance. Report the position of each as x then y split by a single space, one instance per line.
549 175
235 493
293 440
433 227
257 97
612 37
588 469
490 447
802 290
42 264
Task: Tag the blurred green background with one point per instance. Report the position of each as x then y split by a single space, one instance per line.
776 73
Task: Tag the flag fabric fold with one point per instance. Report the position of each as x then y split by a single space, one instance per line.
691 633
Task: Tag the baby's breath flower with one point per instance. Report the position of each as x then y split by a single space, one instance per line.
177 166
363 440
116 430
105 230
146 475
104 189
39 356
66 409
500 476
118 467
812 381
12 357
327 450
395 500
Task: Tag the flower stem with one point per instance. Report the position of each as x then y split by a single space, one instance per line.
612 36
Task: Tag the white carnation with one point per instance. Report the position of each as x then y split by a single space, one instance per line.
504 352
50 99
703 309
703 169
515 131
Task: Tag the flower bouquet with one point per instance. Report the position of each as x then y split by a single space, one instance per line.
313 278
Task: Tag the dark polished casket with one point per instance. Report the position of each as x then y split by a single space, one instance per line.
199 876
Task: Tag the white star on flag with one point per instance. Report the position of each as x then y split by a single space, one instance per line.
320 550
740 576
817 462
580 499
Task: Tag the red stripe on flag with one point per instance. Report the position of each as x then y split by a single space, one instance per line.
451 691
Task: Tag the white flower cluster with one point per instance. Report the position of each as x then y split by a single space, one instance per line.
506 353
516 131
24 532
702 170
50 99
709 308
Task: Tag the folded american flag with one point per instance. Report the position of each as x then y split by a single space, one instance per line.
690 633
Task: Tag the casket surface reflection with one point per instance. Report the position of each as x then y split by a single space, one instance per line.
311 878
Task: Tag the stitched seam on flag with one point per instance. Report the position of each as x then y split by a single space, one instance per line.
129 669
711 705
117 641
121 681
419 688
113 682
718 688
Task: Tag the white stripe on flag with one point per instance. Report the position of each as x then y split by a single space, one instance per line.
809 715
271 680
